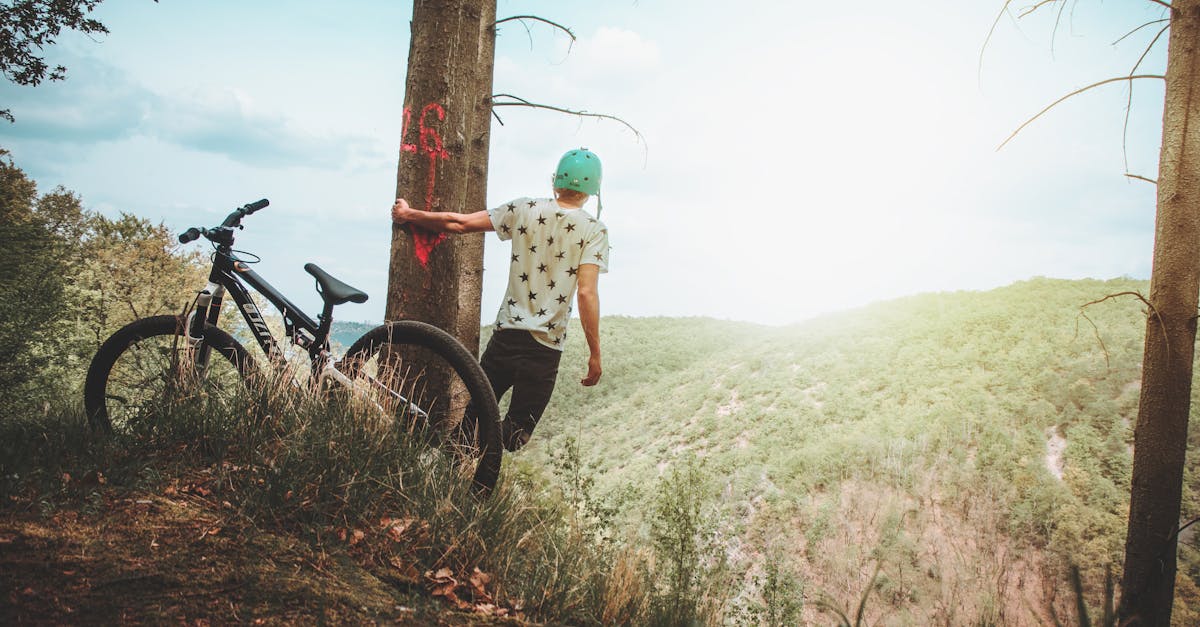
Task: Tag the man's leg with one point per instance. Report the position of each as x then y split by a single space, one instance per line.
532 387
495 364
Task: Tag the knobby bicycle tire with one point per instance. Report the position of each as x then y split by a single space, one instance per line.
141 362
414 378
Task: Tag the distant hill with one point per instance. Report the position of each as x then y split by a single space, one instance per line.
970 445
981 434
342 334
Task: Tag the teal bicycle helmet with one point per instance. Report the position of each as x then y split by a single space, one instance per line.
578 170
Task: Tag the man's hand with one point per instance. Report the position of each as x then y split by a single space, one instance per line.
593 374
400 211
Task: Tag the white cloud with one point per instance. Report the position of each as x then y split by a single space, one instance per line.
615 53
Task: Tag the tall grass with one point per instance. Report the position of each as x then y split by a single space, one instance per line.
335 471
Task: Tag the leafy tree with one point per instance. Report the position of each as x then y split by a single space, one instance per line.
131 268
68 279
28 26
38 243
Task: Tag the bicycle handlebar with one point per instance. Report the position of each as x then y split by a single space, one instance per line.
232 220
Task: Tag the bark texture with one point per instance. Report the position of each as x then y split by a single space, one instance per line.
443 164
1160 436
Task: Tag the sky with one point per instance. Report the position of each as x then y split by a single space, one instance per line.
796 158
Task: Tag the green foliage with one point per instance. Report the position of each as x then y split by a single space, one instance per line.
68 279
28 26
690 564
781 591
949 398
38 249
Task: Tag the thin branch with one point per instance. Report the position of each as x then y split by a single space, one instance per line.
522 18
1141 178
1074 93
1036 7
1118 295
1057 18
1095 332
1150 23
1129 101
1164 3
991 31
521 102
1152 311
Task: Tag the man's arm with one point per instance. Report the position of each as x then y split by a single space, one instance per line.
589 317
441 221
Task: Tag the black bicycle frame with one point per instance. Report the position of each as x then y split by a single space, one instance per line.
227 274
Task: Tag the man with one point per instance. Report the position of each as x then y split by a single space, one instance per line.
557 249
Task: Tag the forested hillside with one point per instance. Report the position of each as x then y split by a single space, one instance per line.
969 445
943 458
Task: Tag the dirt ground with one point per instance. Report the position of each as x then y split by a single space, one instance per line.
119 556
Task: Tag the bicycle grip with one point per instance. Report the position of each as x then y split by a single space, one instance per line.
189 235
255 206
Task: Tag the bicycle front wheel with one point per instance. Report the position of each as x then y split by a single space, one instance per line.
427 378
150 364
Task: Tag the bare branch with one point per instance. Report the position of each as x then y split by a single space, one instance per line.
1057 18
1036 7
1074 93
1141 178
521 102
1095 329
991 31
1162 2
1151 311
1118 295
1150 23
1129 101
1095 333
522 18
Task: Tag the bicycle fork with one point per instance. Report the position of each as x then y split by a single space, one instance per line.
206 311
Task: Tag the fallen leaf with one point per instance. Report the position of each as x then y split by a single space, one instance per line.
357 537
479 581
407 569
480 578
397 528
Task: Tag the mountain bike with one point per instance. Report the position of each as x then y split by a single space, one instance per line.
409 370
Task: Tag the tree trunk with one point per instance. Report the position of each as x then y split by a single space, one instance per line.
1160 437
443 164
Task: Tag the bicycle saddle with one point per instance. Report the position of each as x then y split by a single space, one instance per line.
332 290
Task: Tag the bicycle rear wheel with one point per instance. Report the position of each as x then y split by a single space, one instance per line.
149 364
422 375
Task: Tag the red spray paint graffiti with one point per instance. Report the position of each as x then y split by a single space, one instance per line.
431 144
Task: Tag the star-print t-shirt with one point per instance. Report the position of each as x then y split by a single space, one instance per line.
549 243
